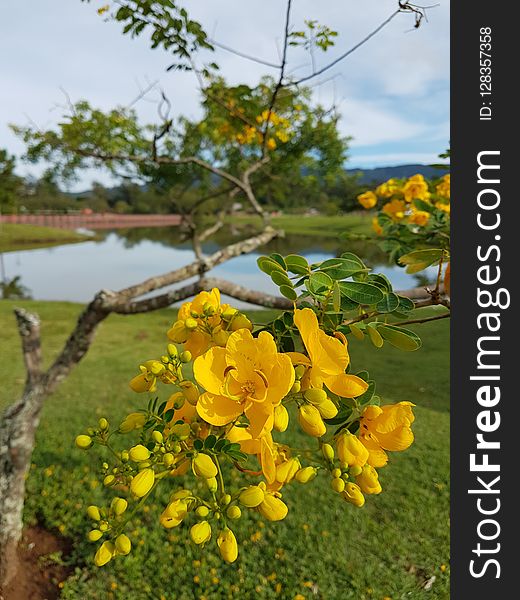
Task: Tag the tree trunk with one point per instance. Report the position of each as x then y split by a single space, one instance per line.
18 427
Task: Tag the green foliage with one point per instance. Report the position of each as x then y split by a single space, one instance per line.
10 183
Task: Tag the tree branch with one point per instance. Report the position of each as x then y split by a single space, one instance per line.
29 330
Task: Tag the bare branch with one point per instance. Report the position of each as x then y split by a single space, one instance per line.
260 61
29 330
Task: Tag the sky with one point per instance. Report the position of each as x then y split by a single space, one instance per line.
392 93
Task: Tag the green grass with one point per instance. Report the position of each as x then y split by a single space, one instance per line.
324 549
321 226
25 237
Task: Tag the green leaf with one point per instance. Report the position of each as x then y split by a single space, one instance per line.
336 297
220 445
280 278
363 293
198 444
288 292
364 375
374 335
405 304
388 304
380 280
318 283
420 259
268 265
354 258
297 264
367 396
279 259
341 268
210 441
401 338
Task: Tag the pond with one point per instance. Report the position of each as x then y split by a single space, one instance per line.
75 272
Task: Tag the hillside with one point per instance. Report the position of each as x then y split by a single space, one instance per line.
380 174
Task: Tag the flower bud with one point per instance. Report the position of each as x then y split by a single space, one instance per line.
351 450
191 324
229 313
104 554
202 511
103 526
299 371
139 453
337 484
328 410
83 442
310 420
119 505
93 513
203 466
281 418
190 392
315 396
355 470
212 484
142 483
297 386
354 495
208 309
172 350
227 544
368 480
225 500
157 437
125 456
103 424
123 544
168 459
94 535
201 532
241 322
185 356
336 473
287 470
109 480
272 508
132 421
306 474
251 496
328 452
234 512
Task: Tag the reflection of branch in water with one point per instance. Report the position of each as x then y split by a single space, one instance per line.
13 288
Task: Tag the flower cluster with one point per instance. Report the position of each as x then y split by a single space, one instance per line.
413 214
234 394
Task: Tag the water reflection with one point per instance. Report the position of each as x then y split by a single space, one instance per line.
76 272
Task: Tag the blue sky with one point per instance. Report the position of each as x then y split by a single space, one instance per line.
393 93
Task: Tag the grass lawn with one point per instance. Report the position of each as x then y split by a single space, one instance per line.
322 226
25 237
324 549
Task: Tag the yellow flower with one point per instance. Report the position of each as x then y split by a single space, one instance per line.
249 376
281 418
306 474
139 453
367 199
227 544
416 188
446 207
123 544
350 450
328 358
368 480
174 513
252 496
142 483
105 553
354 495
263 447
286 470
376 227
388 189
386 428
419 217
272 508
271 144
132 421
443 188
151 370
310 420
395 209
201 532
203 466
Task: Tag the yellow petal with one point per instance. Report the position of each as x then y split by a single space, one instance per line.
261 418
281 379
218 410
345 385
267 460
399 439
297 358
209 368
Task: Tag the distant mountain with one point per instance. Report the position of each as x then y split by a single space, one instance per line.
380 174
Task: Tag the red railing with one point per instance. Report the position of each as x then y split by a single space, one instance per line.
93 221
